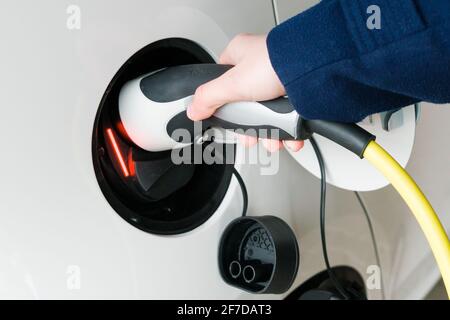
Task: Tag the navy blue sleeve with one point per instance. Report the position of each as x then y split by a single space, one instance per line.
336 68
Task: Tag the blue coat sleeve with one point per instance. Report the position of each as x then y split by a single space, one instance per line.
335 67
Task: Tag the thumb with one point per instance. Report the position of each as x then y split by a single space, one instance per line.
212 95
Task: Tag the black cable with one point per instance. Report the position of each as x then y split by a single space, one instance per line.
374 240
323 192
244 191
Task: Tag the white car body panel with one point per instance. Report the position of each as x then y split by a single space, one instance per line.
59 237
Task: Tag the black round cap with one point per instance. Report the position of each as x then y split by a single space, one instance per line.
264 245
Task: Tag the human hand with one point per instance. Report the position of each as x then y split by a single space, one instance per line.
251 79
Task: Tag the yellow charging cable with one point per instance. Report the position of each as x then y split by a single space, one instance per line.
418 204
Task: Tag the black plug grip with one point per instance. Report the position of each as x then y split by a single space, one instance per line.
348 135
178 82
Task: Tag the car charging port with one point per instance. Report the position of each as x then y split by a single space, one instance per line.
148 189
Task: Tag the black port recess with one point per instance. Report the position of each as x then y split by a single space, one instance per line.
146 188
320 286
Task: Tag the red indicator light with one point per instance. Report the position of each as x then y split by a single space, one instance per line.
131 164
119 156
